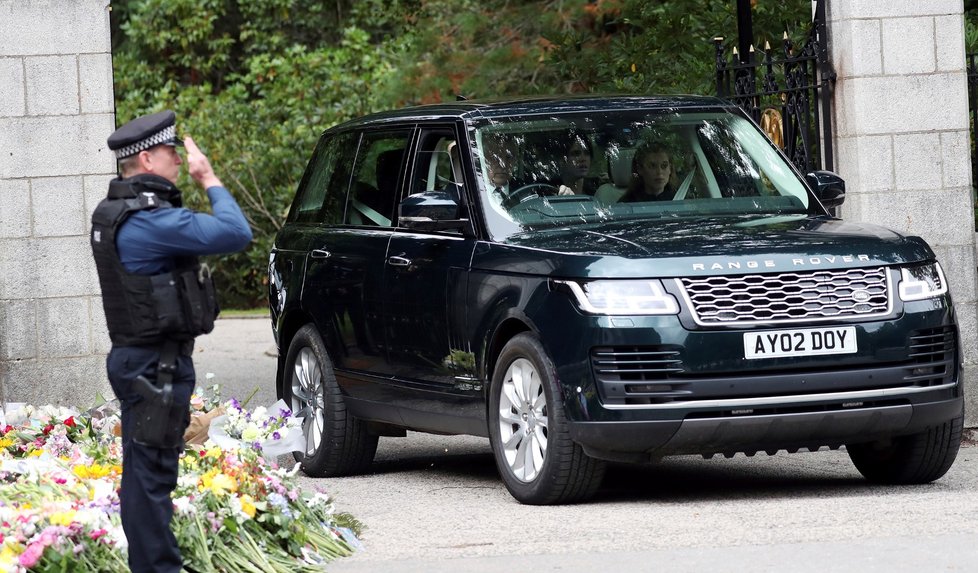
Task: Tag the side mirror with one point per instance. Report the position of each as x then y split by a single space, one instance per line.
430 211
828 187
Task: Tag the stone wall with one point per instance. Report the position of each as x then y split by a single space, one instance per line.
901 111
56 109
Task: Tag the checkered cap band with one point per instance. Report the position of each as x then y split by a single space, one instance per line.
165 135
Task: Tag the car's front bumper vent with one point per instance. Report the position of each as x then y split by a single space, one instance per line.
788 297
932 352
629 373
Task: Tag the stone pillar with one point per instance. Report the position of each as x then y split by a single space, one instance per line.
901 111
56 110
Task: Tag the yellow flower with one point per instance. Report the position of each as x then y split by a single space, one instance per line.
62 518
94 471
6 442
223 483
35 453
7 555
217 482
214 452
206 479
248 505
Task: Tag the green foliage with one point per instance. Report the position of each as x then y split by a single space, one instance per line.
256 81
496 47
254 94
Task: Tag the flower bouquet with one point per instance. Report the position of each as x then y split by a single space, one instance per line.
204 407
270 431
234 510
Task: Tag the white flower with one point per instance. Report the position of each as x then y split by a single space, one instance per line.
250 433
322 499
184 505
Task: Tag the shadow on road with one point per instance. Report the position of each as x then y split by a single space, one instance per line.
688 479
469 464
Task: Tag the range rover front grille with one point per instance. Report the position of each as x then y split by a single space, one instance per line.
932 352
787 297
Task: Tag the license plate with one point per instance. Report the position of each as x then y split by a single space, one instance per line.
800 342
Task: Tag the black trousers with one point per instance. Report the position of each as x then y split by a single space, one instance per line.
149 475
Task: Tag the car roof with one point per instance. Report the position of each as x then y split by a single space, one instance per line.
474 109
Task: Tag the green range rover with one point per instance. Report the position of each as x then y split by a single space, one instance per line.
590 279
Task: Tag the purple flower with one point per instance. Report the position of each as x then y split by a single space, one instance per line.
276 436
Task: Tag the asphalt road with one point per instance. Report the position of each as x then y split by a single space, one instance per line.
435 503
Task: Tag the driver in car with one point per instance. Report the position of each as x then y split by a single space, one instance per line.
499 158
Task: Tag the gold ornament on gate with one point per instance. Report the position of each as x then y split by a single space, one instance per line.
773 126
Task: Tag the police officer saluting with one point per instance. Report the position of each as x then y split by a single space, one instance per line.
157 298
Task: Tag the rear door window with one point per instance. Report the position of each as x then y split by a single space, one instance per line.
377 177
322 191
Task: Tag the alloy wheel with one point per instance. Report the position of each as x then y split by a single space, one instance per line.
523 422
308 397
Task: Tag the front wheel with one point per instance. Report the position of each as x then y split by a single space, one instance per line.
536 458
337 443
914 459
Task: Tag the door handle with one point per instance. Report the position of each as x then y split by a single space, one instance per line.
397 261
320 254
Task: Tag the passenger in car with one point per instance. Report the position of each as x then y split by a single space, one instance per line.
653 175
499 159
575 166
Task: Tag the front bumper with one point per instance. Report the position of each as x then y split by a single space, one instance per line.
652 387
831 424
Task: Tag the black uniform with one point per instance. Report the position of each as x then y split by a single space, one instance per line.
157 298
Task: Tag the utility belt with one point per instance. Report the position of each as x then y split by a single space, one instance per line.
185 303
159 420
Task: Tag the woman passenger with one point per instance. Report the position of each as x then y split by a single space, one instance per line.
652 175
575 166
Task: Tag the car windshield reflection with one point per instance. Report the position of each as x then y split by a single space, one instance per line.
575 169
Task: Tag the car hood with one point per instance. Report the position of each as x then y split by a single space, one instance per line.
708 246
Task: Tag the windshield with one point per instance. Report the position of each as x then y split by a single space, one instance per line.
583 169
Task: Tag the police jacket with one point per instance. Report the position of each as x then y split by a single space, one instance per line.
146 247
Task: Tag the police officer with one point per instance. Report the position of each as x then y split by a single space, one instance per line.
157 297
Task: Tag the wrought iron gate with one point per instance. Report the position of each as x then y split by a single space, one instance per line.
789 94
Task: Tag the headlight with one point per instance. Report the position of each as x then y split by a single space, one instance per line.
923 281
645 296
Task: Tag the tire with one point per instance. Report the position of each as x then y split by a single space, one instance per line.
528 430
337 443
915 459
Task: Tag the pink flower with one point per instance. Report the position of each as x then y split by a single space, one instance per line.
31 555
95 534
48 536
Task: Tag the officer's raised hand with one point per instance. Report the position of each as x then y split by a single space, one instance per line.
199 166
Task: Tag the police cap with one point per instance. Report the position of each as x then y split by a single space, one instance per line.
143 133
